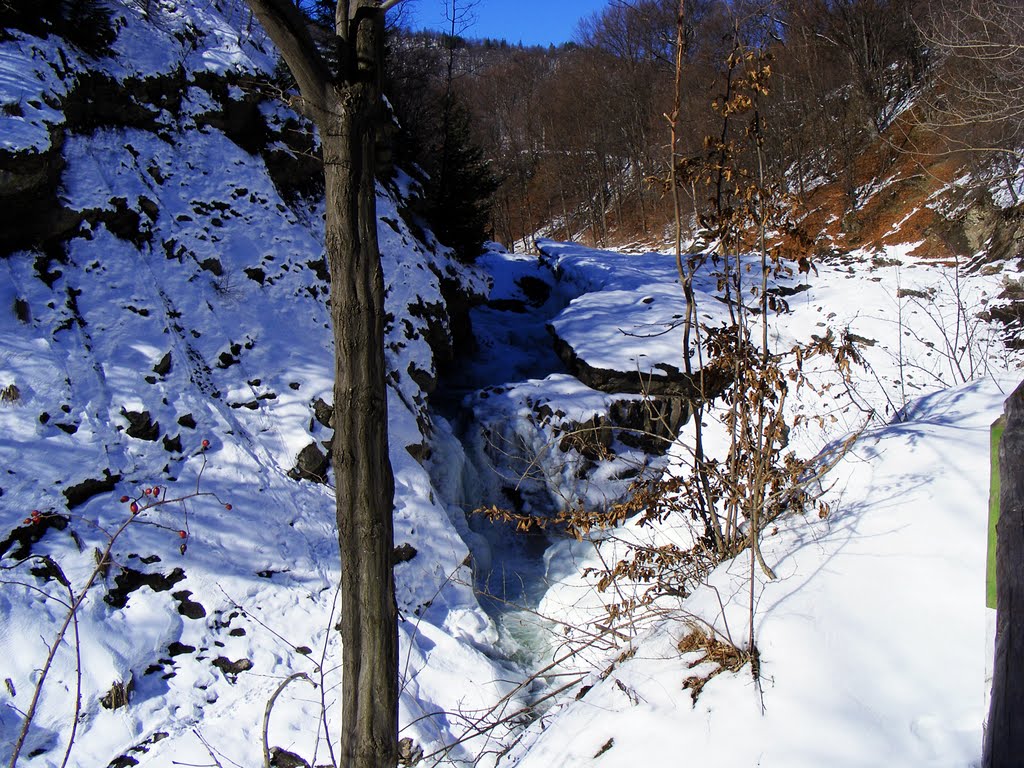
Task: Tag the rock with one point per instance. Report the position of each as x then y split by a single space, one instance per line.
123 221
409 752
22 311
25 536
459 303
213 265
10 394
128 580
141 425
231 669
30 209
437 331
256 273
187 607
164 366
311 464
323 413
425 380
282 758
668 381
419 451
591 439
240 121
78 494
177 648
650 424
404 553
536 291
101 101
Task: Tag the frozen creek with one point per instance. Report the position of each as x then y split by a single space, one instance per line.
500 417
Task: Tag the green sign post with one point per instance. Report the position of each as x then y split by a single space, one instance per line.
993 512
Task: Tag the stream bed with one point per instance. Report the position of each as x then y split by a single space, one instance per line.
505 423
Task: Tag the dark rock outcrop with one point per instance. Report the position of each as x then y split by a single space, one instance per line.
80 493
141 425
667 381
650 424
311 464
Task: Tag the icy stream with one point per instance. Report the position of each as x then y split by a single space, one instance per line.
507 423
481 446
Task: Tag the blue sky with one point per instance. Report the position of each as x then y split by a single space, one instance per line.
532 22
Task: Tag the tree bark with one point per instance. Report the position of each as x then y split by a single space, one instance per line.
346 108
1004 734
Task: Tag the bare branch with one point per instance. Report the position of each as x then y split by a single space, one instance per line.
287 28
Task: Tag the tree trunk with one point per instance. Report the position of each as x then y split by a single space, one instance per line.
363 478
346 107
1004 734
362 468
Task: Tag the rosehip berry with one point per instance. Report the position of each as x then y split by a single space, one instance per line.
156 491
28 521
147 491
206 443
227 507
134 508
124 499
182 534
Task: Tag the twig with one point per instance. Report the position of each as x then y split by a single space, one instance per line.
270 707
78 681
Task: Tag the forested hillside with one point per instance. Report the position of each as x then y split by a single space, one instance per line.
873 113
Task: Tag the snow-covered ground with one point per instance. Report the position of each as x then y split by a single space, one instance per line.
872 640
207 314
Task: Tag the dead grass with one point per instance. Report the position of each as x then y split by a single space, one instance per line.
711 649
9 394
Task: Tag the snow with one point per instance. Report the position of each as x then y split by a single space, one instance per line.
33 73
871 640
248 357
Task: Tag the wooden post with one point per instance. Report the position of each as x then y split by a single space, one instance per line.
995 437
1004 733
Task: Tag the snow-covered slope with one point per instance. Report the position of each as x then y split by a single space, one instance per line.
173 333
872 639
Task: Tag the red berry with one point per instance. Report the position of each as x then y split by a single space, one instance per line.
147 491
227 507
156 491
206 443
182 534
28 521
134 508
124 499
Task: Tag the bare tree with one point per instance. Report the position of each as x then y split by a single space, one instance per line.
978 96
346 107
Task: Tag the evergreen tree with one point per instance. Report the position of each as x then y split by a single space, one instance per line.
460 188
